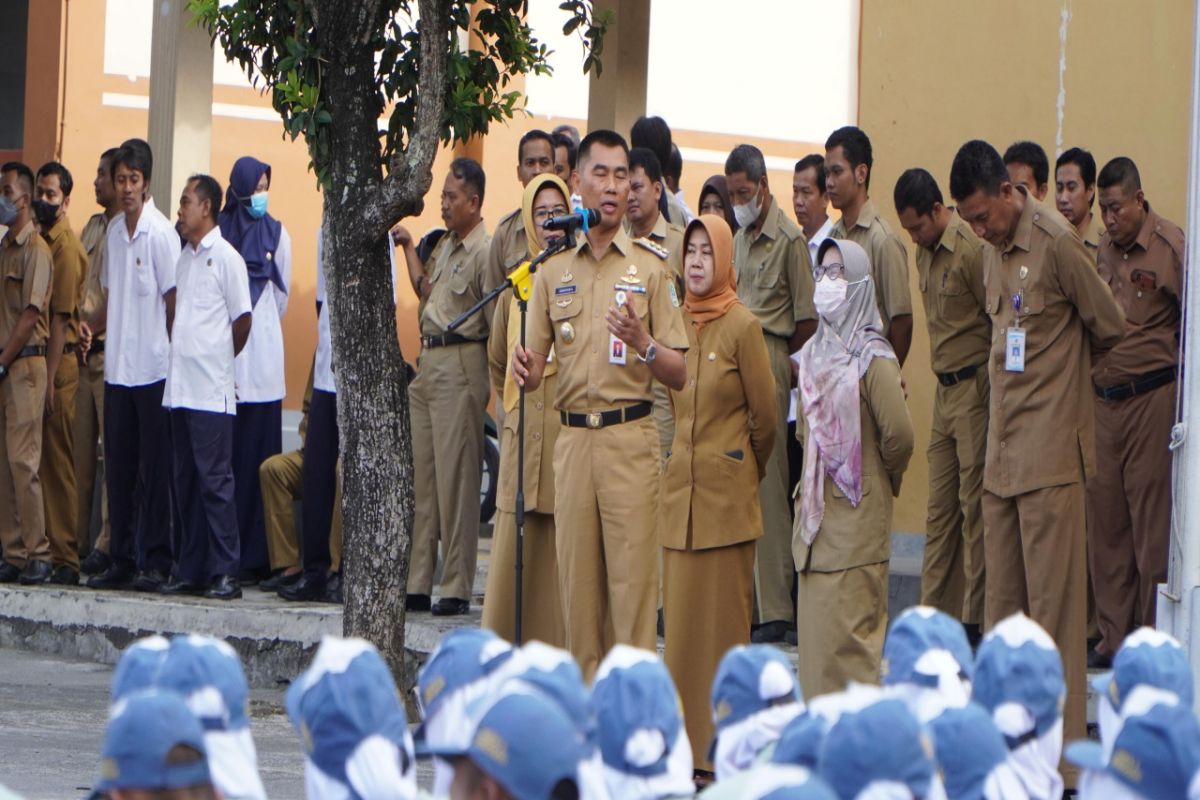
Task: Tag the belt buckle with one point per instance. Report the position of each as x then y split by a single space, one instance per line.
593 419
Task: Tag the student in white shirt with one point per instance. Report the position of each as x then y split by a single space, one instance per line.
212 323
139 276
266 247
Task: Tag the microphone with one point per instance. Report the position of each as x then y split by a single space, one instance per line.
582 218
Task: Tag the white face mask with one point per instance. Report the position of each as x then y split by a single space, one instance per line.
747 215
829 297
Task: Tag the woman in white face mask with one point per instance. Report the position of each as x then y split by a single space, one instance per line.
857 438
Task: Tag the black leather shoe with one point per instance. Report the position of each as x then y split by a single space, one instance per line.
178 586
224 587
36 572
9 573
450 607
417 602
792 637
770 632
279 580
96 562
305 590
65 576
116 576
148 580
253 577
333 588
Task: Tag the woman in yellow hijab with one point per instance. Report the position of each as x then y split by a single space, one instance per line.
541 613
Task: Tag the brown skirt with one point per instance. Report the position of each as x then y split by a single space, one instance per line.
840 628
541 608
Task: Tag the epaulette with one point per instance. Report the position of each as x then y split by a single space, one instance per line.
508 216
657 249
1172 234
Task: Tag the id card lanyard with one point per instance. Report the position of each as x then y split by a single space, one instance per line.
1014 349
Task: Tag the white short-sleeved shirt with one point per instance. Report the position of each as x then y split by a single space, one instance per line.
259 366
213 291
138 271
814 244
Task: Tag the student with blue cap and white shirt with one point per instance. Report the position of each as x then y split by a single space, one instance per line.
776 782
642 738
352 723
927 662
1019 681
973 757
1154 756
139 666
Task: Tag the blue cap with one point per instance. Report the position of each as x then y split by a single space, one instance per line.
139 666
345 698
1018 663
882 742
800 742
144 727
1147 658
556 675
464 656
636 698
786 782
1157 750
969 746
913 634
209 675
750 679
525 743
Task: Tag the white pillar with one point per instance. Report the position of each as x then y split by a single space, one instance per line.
618 97
181 92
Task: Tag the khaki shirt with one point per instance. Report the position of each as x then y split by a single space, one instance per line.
774 273
507 249
94 235
669 237
1094 232
26 267
951 280
724 433
458 282
1147 280
1041 425
70 268
571 294
675 212
889 262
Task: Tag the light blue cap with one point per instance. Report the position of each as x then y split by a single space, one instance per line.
208 673
882 742
1018 663
914 633
1147 658
969 746
143 729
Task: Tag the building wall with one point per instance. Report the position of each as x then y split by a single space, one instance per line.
935 73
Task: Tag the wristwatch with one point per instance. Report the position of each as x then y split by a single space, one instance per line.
651 353
3 371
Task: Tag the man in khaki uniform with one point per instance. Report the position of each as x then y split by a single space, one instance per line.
1075 193
774 269
535 155
1027 166
848 163
1142 259
1050 310
89 408
57 471
606 308
950 265
26 267
449 394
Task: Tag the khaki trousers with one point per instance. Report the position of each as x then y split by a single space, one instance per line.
22 514
774 568
57 470
541 604
952 576
841 626
1129 500
1035 555
606 501
708 598
89 449
280 480
446 401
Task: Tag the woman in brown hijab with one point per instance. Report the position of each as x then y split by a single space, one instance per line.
709 515
714 199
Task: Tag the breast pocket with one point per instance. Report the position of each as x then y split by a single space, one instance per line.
144 277
564 318
955 299
458 282
12 292
766 276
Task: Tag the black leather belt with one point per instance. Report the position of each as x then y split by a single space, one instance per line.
602 419
31 350
1140 385
71 347
951 378
97 347
444 340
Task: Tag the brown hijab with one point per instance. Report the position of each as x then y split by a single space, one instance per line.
723 294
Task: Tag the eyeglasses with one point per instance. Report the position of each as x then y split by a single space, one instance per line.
541 215
832 271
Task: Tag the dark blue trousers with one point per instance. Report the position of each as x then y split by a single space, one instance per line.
319 482
208 541
257 435
137 463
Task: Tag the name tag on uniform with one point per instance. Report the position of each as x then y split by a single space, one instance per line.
1014 350
616 350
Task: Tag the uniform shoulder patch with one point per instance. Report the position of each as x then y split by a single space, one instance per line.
658 250
1173 235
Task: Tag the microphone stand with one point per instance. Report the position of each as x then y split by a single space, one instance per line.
521 282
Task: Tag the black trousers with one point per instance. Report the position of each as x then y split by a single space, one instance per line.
257 435
319 482
137 459
203 472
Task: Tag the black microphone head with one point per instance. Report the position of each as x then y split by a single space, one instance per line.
592 215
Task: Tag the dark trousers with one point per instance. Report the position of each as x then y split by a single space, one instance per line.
137 458
208 532
257 435
319 482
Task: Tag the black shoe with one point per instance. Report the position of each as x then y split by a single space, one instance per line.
450 607
224 587
9 573
662 625
96 562
279 580
36 572
253 577
65 576
1097 660
149 580
333 588
417 602
792 637
772 632
179 586
117 576
305 590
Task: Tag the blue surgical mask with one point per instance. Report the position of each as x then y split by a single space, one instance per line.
8 211
258 205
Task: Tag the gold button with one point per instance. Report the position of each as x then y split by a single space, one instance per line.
1036 216
538 404
1004 444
